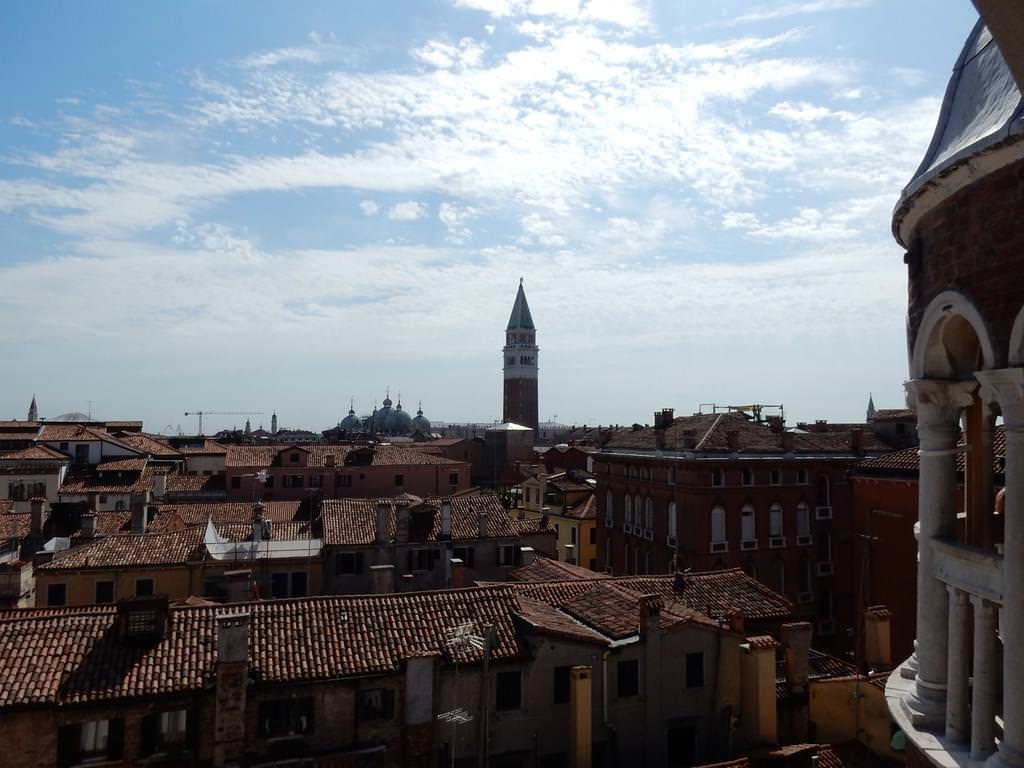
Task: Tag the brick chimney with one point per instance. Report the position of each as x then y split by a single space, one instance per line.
650 611
88 524
402 515
382 524
383 579
581 712
232 681
878 637
39 515
160 485
458 573
446 518
796 637
238 585
481 520
143 619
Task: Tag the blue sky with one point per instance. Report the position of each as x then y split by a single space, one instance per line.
279 206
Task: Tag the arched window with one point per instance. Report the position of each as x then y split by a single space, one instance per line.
803 520
718 524
673 522
649 513
824 491
748 523
717 477
748 476
609 506
825 547
628 509
775 525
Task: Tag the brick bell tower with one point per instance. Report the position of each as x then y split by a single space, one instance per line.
520 365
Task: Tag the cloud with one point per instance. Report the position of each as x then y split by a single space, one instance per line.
630 14
441 55
785 10
455 217
369 208
408 210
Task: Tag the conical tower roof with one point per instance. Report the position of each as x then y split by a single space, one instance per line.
520 317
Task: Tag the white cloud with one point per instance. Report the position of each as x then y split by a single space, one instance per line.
455 218
629 14
770 13
369 208
802 112
408 210
466 53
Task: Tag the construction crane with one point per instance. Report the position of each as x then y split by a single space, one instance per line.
200 415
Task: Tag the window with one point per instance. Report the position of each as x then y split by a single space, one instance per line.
103 499
94 738
236 482
143 587
780 577
290 481
420 559
104 591
376 704
269 482
627 678
718 524
173 726
82 453
748 524
508 691
561 685
509 555
453 478
748 477
628 506
286 717
803 519
348 563
776 477
56 594
315 481
93 741
824 491
717 477
344 481
801 476
649 514
573 535
673 521
775 520
825 547
399 481
825 604
466 555
695 670
593 537
283 584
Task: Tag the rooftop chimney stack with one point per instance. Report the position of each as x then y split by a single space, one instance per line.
231 686
159 485
88 525
570 554
481 519
446 518
458 573
529 554
39 515
878 637
383 579
383 519
650 612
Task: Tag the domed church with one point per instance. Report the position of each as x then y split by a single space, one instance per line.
389 419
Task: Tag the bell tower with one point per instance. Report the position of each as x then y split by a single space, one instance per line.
520 365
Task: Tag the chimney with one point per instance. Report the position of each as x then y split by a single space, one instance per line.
878 637
329 460
402 523
581 710
570 554
383 579
238 585
458 573
787 441
650 611
160 485
481 520
39 515
138 518
446 518
232 681
737 623
732 439
529 554
796 637
857 440
758 707
143 619
88 525
383 524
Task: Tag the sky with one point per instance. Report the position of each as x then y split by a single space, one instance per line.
273 206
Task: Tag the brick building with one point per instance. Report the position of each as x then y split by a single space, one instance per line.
722 490
520 366
296 472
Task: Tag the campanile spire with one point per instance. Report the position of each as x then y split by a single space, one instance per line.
520 365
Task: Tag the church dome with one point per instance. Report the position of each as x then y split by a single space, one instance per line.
380 417
421 423
398 421
351 423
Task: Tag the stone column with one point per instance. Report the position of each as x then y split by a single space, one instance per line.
983 695
958 716
1007 385
938 405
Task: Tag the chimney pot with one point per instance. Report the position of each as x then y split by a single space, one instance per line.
160 485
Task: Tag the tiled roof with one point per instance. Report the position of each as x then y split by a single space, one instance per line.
186 484
77 433
35 453
549 569
709 433
907 461
69 656
209 448
584 510
249 456
226 512
350 522
122 465
15 525
614 610
130 482
109 523
149 445
20 426
717 594
130 549
549 620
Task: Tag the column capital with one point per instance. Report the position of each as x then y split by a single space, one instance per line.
1006 387
938 398
984 608
958 595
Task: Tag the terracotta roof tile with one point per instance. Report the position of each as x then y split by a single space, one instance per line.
907 461
128 482
195 484
70 656
149 445
549 569
261 456
122 465
350 522
225 512
15 525
584 510
35 453
131 549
